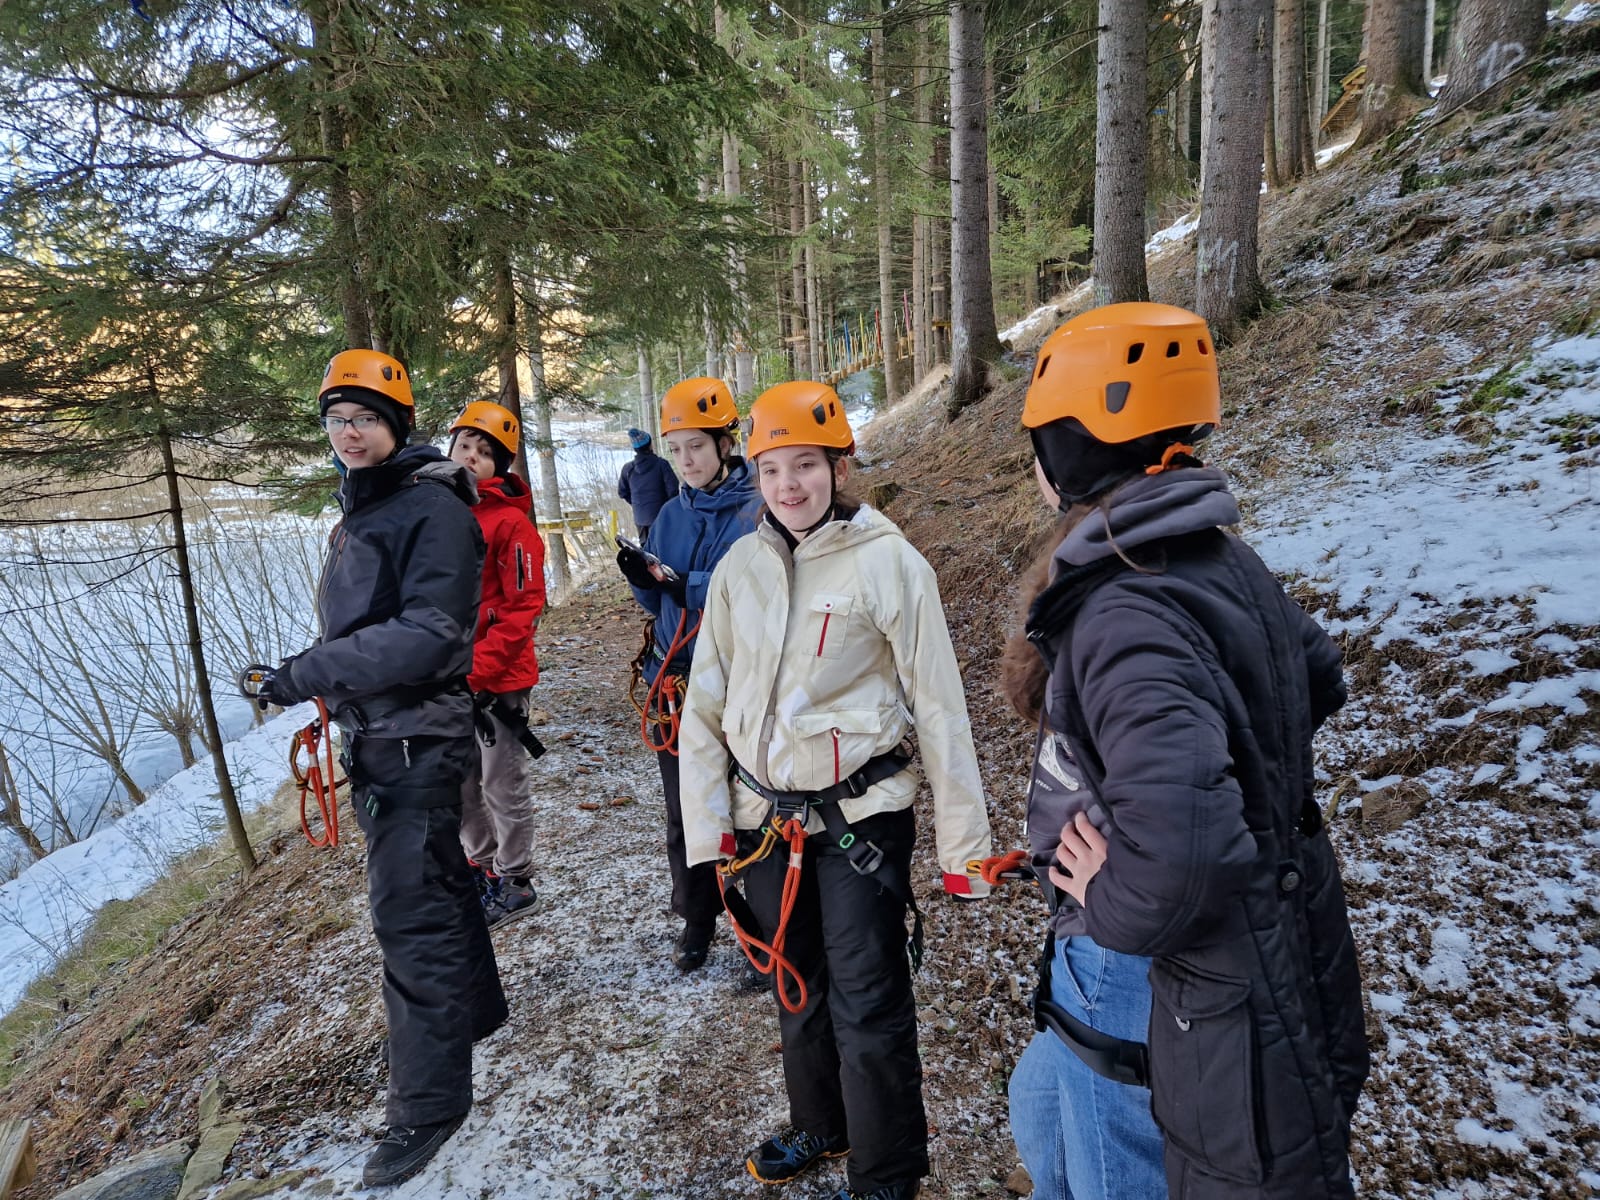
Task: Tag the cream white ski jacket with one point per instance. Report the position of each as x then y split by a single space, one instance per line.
807 666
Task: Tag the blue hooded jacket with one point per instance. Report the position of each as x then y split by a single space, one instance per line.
647 483
690 534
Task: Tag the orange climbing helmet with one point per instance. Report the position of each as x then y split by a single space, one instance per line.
360 376
801 413
700 403
1120 390
1126 371
492 420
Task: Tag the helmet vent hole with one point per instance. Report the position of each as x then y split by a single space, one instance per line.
388 374
1204 349
702 405
1117 395
1172 349
820 414
1043 363
1135 353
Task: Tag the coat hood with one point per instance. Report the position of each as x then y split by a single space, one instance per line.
506 489
1146 509
735 491
836 536
370 484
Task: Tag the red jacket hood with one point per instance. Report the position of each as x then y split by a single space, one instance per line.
506 489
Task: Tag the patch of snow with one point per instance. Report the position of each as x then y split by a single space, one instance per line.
45 910
1488 662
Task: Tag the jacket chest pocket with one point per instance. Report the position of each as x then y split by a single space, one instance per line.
834 745
830 623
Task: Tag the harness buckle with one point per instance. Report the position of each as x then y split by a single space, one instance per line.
792 808
866 860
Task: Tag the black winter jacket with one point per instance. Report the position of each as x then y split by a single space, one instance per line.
398 600
1190 691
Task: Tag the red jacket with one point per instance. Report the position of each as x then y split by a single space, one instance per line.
513 588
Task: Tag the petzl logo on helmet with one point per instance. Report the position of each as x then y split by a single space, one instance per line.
780 432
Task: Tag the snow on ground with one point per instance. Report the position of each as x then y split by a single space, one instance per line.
45 909
1503 507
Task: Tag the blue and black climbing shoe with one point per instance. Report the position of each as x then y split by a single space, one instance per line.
784 1157
894 1191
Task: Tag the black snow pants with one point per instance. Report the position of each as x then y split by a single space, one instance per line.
441 988
850 1059
694 889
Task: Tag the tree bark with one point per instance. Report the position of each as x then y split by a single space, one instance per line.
647 392
921 311
1319 92
1291 122
11 808
544 441
1228 288
975 341
880 185
797 270
197 655
813 305
509 392
1488 40
1393 52
341 204
1121 148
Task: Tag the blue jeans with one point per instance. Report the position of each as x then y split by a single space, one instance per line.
1083 1136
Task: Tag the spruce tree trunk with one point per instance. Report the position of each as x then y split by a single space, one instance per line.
813 306
1488 40
197 655
1291 122
880 185
744 373
797 270
509 392
1393 54
647 393
921 311
1319 92
1228 288
1121 147
544 441
975 340
939 265
341 205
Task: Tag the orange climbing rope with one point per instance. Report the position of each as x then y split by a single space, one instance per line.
998 868
776 830
662 708
318 777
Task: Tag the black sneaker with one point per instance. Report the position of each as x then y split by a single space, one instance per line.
748 977
784 1157
512 900
895 1191
405 1151
694 943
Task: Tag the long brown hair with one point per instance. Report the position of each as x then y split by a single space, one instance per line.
1023 674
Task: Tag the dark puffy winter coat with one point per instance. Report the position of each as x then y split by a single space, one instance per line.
1190 690
647 483
398 600
503 657
691 533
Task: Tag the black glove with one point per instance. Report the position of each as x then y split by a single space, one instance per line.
635 569
277 687
677 589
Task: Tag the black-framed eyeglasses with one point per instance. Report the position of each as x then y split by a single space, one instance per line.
361 424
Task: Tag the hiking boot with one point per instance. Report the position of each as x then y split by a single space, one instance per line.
895 1191
694 943
405 1150
513 898
784 1157
748 978
489 887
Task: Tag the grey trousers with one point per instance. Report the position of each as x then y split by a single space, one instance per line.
496 807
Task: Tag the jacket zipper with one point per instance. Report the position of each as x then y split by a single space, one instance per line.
821 641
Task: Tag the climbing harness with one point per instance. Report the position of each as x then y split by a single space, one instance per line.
787 823
662 708
319 776
487 708
1112 1057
